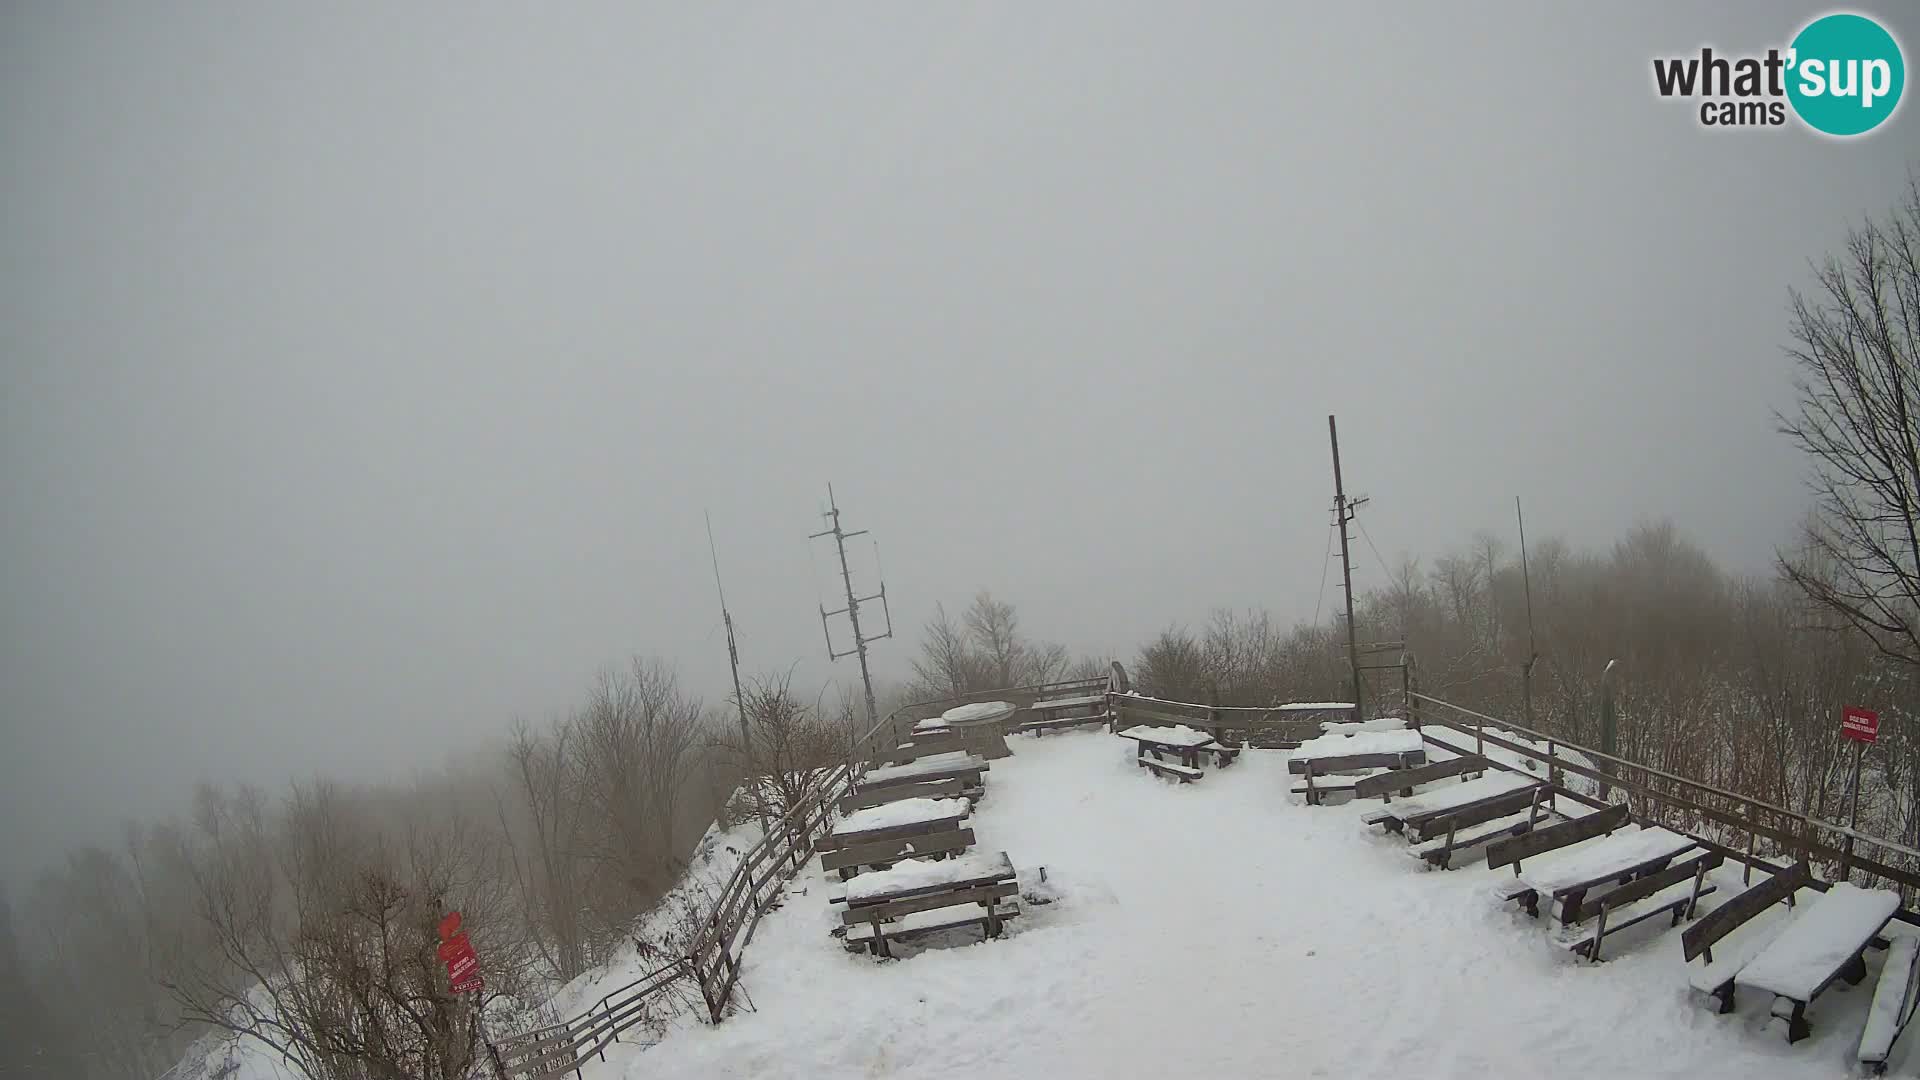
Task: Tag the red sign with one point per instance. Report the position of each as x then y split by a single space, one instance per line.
1860 724
463 964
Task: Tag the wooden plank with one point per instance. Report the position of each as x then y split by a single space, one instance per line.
1374 787
864 933
893 909
1429 824
1540 841
1168 768
1642 887
1894 995
896 849
939 789
836 841
1406 759
1726 918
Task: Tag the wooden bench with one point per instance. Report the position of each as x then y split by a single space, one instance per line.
1316 787
1055 714
1383 785
1621 857
1541 841
862 936
1715 977
939 789
1661 893
968 768
1894 997
882 853
1430 813
1824 943
926 744
882 899
1440 850
1181 773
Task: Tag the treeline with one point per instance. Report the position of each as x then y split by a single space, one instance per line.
1734 680
304 923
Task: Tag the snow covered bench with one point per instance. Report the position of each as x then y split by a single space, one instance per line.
925 744
938 789
896 820
1715 976
1383 785
1676 891
881 853
1454 806
1823 944
1894 996
1054 714
1342 752
1566 876
887 905
1541 841
948 766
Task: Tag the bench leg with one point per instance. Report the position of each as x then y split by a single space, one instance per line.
1724 995
1570 906
1856 969
1797 1027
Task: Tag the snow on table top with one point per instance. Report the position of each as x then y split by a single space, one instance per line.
1600 857
1360 742
929 723
952 759
1313 706
1448 796
1176 735
910 874
904 812
1069 702
978 710
1822 937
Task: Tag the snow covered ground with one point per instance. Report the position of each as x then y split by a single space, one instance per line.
1223 929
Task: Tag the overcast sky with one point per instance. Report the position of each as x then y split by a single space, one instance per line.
365 369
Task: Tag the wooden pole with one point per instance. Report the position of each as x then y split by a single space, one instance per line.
1340 512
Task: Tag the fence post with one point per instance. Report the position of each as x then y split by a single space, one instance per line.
1553 766
1746 878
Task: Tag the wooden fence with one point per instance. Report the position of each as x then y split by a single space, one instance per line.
712 963
1753 831
1279 727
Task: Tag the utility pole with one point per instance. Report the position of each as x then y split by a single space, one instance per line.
1343 513
739 699
852 610
1533 651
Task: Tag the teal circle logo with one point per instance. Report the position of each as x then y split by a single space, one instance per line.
1846 74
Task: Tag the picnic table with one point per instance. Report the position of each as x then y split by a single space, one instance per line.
1185 742
1821 946
908 817
909 898
950 765
1567 875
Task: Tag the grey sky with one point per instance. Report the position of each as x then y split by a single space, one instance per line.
365 369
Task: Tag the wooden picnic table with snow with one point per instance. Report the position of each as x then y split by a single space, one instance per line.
1177 736
905 812
1361 742
1350 727
955 761
909 877
1829 932
977 712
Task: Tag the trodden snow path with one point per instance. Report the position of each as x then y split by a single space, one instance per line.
1219 929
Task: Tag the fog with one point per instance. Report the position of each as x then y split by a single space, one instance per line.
366 371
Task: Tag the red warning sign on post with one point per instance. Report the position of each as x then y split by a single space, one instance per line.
1860 725
463 964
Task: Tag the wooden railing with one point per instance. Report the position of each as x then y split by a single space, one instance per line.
1276 727
890 732
1752 831
712 962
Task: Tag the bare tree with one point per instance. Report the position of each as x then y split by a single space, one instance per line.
1858 417
790 742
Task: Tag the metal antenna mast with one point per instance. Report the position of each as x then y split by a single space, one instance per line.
852 610
1343 511
739 699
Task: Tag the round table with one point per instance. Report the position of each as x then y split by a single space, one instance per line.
982 726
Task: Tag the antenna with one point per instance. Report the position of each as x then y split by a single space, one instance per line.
1343 511
739 700
852 610
1533 650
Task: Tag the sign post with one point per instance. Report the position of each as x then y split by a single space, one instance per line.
1863 727
463 973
